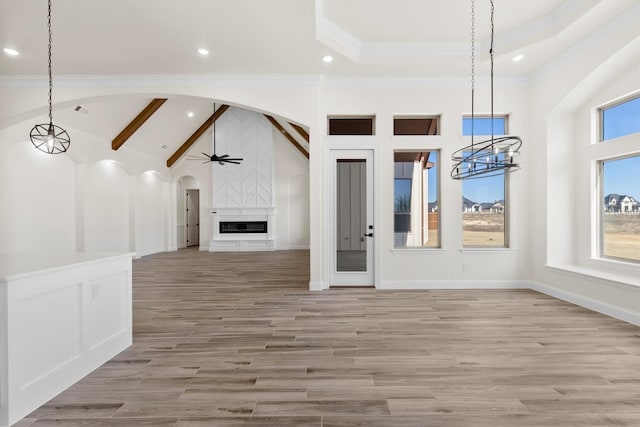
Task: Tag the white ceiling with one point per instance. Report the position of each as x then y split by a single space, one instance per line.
368 38
289 36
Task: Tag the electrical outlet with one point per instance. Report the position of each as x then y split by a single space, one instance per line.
464 267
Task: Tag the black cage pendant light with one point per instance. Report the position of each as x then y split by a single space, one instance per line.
48 137
492 156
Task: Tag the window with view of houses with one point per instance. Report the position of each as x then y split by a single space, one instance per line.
620 224
484 203
619 182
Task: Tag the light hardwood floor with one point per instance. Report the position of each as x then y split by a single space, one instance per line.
238 340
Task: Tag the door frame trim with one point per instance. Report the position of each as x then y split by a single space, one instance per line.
329 208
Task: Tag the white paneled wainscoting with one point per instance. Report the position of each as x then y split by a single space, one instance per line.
61 316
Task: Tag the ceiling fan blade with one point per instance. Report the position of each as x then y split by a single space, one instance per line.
231 161
207 155
190 157
236 159
223 156
221 163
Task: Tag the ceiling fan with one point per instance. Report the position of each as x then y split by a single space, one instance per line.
214 157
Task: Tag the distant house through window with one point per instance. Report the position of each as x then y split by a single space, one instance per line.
620 212
484 203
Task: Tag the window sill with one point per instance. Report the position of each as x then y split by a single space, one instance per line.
484 250
620 280
405 251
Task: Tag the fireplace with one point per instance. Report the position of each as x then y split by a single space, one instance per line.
243 229
254 227
242 195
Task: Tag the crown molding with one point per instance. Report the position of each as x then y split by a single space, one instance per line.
160 79
340 39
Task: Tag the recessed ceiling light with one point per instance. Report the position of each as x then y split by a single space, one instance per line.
202 51
327 58
11 52
519 57
190 114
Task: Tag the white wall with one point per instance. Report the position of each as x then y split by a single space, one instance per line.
79 201
291 191
106 208
151 206
247 135
37 200
422 268
564 99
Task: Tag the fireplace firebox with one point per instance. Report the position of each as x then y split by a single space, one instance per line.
234 227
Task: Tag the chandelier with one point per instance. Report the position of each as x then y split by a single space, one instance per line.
492 156
48 137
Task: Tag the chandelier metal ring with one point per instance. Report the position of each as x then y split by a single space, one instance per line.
487 158
50 138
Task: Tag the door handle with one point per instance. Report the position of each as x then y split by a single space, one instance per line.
368 234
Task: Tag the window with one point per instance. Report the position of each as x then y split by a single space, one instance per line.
410 125
416 189
482 125
620 119
483 199
620 208
363 125
618 180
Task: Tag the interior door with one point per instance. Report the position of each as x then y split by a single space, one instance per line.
353 232
193 218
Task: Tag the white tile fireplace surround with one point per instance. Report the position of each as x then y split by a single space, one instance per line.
238 240
243 194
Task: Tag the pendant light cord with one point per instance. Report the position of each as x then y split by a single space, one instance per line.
50 78
214 129
491 57
473 67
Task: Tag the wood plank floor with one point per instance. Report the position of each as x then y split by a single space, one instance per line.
238 340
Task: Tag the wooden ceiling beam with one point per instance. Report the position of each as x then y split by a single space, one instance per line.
197 134
291 139
301 131
135 124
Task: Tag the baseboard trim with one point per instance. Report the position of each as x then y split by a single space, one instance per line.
292 248
616 312
453 284
316 286
150 252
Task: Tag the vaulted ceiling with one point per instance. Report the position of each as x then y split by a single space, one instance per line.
367 39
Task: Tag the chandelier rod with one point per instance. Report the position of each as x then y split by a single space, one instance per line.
49 67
